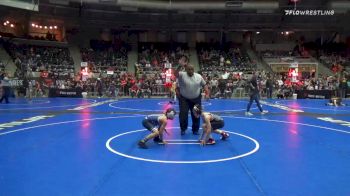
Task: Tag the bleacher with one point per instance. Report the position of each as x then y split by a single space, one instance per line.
153 58
103 56
215 58
55 60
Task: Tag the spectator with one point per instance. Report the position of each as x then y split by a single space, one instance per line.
5 88
99 87
269 87
343 87
254 96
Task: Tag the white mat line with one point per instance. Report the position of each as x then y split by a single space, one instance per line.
181 140
182 143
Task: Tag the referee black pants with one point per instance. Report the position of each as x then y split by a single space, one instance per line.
254 97
185 105
5 94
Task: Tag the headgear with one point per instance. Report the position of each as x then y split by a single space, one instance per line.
170 113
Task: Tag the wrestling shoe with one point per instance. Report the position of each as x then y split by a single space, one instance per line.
264 112
248 114
142 144
225 135
210 141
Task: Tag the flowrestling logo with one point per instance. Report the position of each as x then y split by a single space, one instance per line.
24 121
307 12
282 107
332 120
296 12
93 105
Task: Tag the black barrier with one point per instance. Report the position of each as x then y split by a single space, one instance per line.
315 94
54 92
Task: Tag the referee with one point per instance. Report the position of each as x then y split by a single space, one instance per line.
188 89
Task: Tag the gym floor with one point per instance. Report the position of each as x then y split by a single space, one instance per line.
64 146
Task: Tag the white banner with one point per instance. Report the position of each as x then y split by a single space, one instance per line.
83 64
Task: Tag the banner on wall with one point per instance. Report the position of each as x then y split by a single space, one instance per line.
19 82
16 83
83 64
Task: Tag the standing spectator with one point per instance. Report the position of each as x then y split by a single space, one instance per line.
269 87
173 92
146 89
343 87
5 84
254 96
189 94
99 88
112 89
117 87
27 89
38 89
213 85
222 87
124 85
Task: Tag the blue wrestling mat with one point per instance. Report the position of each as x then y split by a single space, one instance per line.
89 147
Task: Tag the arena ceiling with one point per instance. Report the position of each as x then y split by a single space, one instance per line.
207 15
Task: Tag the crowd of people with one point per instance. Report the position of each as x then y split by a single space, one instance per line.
105 55
155 58
54 61
335 62
214 59
226 71
270 86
